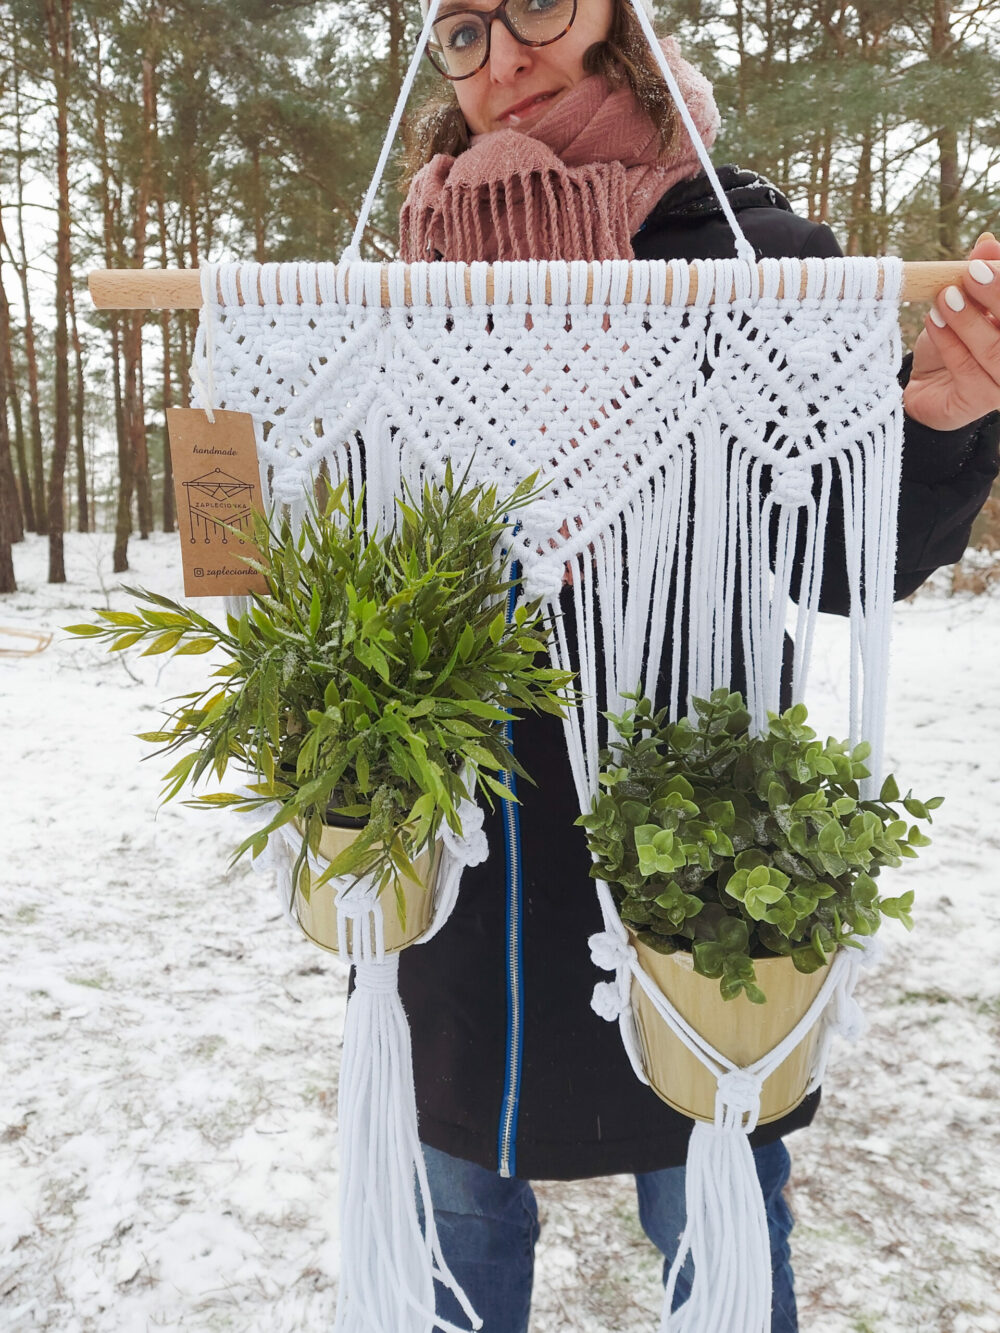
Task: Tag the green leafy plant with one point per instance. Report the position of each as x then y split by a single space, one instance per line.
367 683
736 847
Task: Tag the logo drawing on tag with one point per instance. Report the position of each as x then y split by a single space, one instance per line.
217 503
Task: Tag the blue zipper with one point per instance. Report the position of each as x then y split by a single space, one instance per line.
507 1136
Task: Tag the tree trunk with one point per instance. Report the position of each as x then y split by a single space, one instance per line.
259 231
949 243
826 160
59 21
135 413
8 393
20 448
9 508
11 529
126 480
863 190
79 442
396 16
135 423
167 369
741 70
39 521
113 259
949 177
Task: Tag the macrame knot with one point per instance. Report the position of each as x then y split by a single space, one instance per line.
470 848
543 580
378 978
288 487
737 1101
849 1021
607 1002
609 951
355 898
872 951
792 487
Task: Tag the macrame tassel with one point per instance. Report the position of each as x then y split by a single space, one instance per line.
726 1232
388 1261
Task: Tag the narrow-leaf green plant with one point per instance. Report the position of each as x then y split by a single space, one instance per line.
369 683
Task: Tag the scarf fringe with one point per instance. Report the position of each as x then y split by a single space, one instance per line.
541 215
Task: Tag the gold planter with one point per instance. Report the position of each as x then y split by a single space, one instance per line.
318 915
741 1031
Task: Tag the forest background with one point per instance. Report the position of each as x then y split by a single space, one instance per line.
149 133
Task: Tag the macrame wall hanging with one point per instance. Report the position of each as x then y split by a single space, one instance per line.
700 429
676 440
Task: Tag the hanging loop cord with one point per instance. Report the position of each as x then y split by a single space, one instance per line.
744 250
353 253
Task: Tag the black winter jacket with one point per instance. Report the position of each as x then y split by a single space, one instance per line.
567 1104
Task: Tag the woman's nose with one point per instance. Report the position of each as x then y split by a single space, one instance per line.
508 56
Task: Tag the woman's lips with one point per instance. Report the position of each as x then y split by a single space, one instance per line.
524 110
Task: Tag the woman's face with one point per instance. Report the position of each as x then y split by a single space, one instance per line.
518 84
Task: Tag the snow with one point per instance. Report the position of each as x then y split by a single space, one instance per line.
170 1047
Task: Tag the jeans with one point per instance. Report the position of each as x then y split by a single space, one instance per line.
488 1227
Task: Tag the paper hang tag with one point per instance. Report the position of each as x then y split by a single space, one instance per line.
217 488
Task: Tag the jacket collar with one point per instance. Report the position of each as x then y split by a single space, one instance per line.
695 198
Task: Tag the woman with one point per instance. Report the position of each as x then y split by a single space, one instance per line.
554 138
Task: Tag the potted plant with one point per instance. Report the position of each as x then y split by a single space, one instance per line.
362 695
734 860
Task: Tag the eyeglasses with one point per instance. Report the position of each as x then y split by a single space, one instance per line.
460 45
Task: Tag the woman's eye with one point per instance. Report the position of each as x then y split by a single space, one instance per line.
462 36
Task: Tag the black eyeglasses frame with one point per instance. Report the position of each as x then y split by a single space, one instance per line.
488 17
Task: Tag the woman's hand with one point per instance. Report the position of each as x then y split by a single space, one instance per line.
956 363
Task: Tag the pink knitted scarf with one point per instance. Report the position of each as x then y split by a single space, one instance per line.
576 185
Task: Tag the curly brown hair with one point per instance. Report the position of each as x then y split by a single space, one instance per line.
623 58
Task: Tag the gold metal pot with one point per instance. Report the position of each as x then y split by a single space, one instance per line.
742 1031
318 915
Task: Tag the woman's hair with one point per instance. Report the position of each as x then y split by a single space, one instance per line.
624 58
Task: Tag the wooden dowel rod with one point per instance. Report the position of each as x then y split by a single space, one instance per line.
180 289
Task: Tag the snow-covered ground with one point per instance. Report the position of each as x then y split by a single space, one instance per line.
170 1047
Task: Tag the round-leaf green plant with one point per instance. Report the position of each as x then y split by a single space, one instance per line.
736 846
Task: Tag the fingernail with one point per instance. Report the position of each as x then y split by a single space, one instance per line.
986 236
954 299
980 272
939 320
